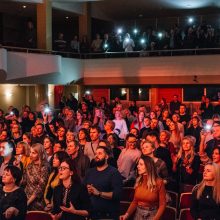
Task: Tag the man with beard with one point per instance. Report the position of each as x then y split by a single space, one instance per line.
104 184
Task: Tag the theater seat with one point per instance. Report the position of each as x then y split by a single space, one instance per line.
185 214
38 215
173 196
169 214
185 200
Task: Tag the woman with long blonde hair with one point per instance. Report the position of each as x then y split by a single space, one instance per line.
206 195
150 196
186 164
35 177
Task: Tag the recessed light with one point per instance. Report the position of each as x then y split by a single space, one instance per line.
24 6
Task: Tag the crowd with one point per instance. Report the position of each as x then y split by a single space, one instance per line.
75 164
201 36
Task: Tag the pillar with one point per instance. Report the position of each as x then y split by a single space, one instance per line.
81 92
50 94
41 95
44 25
85 22
154 97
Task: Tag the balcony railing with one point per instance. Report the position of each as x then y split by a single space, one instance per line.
147 53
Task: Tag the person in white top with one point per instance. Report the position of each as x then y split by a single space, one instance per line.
128 43
120 125
128 159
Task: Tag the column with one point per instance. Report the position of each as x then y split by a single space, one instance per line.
85 21
81 92
41 95
51 95
154 96
44 25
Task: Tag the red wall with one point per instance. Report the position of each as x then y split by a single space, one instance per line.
168 93
98 93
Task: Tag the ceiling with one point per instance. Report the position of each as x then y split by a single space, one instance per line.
119 9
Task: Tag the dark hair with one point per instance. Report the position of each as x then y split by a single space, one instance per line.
16 173
75 177
15 111
85 131
97 128
136 131
115 138
40 125
130 135
216 148
60 122
106 150
50 139
61 155
33 115
28 134
154 134
62 144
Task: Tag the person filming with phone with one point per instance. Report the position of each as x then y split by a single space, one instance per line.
207 150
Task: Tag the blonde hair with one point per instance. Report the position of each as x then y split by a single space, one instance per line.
216 189
176 131
39 148
26 148
181 153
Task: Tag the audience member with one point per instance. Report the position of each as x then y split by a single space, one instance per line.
150 195
70 198
104 185
13 201
206 195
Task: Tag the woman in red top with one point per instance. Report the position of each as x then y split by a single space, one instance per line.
139 121
150 196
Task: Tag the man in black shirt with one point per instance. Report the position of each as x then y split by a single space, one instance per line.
104 184
175 105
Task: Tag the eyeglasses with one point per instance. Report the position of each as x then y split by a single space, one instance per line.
63 168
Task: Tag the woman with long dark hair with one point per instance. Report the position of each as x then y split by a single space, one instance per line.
53 180
70 198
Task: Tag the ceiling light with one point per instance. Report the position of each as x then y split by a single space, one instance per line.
67 17
24 6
